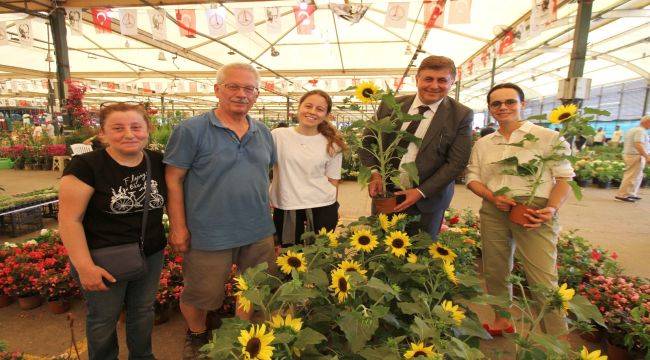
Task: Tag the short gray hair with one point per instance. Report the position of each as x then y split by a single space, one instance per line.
221 73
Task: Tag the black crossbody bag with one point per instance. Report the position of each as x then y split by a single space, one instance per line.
127 262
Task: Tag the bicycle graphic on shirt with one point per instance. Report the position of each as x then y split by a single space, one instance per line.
124 201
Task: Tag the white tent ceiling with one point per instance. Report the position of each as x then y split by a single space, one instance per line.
337 52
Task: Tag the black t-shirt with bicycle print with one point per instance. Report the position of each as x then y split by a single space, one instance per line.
114 212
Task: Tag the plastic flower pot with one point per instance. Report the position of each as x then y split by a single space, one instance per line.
605 184
517 214
385 205
583 182
58 306
30 302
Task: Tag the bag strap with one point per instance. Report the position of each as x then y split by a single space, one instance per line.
147 195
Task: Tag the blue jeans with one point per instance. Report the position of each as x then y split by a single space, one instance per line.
104 309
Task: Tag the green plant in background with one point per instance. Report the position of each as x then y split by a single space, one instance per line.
573 122
583 169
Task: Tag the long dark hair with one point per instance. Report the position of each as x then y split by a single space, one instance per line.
335 141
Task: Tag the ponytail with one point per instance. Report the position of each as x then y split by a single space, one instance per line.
335 141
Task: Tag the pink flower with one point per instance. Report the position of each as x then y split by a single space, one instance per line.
614 255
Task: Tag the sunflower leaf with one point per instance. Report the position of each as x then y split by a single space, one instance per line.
472 328
308 336
357 328
504 190
577 191
364 175
224 338
380 353
509 161
410 308
294 292
376 289
463 351
537 117
424 328
317 277
588 110
585 310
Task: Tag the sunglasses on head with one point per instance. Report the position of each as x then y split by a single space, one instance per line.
111 103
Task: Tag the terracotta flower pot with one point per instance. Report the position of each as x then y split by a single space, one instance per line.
615 352
58 306
384 205
30 302
5 300
517 214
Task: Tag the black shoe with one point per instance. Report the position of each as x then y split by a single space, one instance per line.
634 198
193 343
626 199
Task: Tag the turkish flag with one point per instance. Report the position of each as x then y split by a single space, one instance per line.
186 22
433 13
304 15
505 46
101 19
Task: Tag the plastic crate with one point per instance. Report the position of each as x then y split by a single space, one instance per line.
22 222
6 163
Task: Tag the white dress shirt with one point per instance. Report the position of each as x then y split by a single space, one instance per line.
412 149
490 149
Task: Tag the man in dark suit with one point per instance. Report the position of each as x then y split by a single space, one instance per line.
444 151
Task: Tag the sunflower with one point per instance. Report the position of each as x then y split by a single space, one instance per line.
412 258
242 302
331 236
295 324
292 260
594 355
418 349
352 266
566 295
366 92
442 252
340 284
397 217
385 224
364 240
397 242
562 113
454 311
256 343
449 270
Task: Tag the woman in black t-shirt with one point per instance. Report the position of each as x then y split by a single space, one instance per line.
101 201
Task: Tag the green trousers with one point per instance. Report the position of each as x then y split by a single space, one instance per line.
536 249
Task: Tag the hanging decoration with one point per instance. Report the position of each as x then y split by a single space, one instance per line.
4 38
216 21
397 15
244 20
157 19
101 20
25 35
350 12
273 23
506 42
433 13
460 12
74 104
304 15
74 18
186 22
543 13
128 22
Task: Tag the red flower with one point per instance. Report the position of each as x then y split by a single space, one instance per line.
614 255
595 255
454 220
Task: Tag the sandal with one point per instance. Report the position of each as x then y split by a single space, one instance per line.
498 332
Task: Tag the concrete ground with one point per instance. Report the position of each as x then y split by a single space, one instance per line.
616 226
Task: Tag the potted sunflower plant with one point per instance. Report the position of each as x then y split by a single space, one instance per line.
572 122
382 142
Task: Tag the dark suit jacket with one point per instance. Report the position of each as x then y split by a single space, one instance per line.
445 148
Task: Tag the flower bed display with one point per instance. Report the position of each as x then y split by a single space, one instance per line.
13 202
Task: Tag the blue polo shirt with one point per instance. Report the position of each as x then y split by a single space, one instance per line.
227 183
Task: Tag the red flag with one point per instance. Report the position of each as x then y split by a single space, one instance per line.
101 20
193 87
268 85
470 67
433 10
505 45
186 22
485 57
304 15
111 86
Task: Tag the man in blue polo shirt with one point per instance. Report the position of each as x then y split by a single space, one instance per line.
218 203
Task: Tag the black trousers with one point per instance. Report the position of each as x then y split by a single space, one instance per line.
324 217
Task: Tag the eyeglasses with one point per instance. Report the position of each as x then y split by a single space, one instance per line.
248 90
497 104
111 103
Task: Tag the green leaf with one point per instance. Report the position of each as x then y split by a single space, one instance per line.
585 311
468 280
414 267
358 329
294 292
424 329
283 337
504 190
317 277
376 289
380 353
550 343
225 337
364 175
389 100
472 328
353 87
412 171
308 336
577 191
509 161
537 117
501 301
464 351
410 308
588 110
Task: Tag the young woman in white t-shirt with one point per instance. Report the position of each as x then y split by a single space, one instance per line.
306 177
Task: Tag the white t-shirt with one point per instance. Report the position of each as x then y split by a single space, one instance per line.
300 181
617 135
599 137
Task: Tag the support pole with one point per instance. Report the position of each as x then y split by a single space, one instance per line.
57 22
579 51
288 107
493 72
162 108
